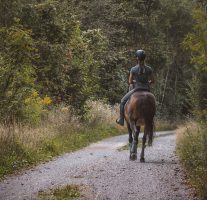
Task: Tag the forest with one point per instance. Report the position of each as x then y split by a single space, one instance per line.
72 51
74 56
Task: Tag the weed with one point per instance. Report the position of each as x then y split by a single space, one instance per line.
164 125
192 149
68 192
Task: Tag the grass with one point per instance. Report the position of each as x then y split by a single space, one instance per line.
68 192
192 149
165 125
60 132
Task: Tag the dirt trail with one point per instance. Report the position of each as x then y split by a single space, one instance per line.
108 173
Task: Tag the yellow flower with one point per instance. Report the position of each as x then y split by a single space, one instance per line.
35 93
47 101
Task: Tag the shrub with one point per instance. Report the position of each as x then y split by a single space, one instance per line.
99 112
17 74
34 107
192 149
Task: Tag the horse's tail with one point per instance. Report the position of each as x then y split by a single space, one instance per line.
148 112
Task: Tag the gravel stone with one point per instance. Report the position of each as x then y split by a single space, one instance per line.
107 173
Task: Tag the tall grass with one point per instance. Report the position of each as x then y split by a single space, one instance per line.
59 131
165 125
192 149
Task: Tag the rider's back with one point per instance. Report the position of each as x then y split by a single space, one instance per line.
141 76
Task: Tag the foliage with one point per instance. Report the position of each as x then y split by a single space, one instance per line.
33 108
84 49
196 42
65 61
43 40
157 26
192 149
99 112
17 76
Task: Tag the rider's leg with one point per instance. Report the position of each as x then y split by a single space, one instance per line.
120 121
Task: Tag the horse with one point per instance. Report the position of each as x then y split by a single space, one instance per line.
140 111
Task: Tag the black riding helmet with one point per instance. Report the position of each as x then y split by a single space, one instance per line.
140 54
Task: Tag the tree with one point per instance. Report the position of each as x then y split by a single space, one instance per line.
43 48
17 73
159 27
196 42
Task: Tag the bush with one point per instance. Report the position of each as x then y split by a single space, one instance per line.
192 149
34 107
17 74
99 112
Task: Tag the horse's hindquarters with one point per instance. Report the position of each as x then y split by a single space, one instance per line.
140 122
140 108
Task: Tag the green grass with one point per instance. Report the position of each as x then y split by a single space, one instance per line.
192 149
15 156
68 192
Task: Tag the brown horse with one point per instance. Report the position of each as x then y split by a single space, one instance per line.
140 111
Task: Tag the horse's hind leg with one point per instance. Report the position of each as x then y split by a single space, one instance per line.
138 131
133 150
130 136
150 134
143 145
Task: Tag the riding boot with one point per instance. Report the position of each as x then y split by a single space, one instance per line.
120 120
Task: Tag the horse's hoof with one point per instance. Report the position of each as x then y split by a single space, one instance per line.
142 160
150 143
133 157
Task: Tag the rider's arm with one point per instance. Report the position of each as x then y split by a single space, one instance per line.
131 81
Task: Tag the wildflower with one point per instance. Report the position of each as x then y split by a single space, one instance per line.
46 101
35 93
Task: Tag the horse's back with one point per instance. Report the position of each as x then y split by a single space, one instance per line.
140 107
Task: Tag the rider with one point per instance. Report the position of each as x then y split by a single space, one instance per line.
140 79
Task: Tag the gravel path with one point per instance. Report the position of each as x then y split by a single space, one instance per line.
107 173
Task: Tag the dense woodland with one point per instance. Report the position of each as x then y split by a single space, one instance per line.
69 51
